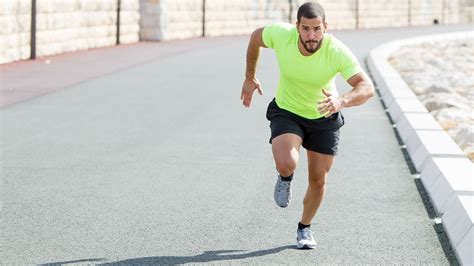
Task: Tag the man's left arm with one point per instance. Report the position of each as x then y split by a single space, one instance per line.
362 90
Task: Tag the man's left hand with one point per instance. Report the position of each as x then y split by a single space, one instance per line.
330 105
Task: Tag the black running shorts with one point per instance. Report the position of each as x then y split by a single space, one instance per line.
319 135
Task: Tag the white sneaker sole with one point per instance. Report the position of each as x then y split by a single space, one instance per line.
305 246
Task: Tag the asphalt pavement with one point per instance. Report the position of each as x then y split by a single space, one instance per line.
155 161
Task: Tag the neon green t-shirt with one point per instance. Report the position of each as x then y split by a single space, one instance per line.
302 78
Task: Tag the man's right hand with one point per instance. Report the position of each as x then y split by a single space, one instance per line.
249 86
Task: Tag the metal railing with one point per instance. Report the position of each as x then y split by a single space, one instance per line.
33 27
33 30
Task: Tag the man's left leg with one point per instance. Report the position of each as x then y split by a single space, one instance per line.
318 168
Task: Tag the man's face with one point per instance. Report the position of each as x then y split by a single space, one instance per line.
311 33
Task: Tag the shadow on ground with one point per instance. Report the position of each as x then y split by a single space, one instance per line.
206 256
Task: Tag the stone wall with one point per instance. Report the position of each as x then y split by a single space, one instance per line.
15 24
339 14
242 17
466 11
178 19
364 14
173 19
377 14
64 26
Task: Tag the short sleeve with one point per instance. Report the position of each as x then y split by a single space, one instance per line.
274 33
348 63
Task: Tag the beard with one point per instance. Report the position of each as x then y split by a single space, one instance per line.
307 47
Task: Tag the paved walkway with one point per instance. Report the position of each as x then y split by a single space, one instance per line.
143 154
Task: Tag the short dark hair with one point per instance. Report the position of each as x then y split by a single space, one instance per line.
310 10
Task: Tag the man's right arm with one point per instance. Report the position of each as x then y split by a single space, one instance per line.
251 82
253 52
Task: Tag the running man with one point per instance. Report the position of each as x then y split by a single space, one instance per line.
306 109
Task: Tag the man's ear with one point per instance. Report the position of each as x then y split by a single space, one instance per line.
297 26
325 26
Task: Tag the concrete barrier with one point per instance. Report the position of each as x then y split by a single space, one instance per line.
445 171
458 223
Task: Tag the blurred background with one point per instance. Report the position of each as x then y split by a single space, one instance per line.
35 28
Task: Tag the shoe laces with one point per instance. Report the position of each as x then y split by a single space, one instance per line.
306 234
283 185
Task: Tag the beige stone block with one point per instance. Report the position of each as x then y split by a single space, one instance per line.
24 22
108 41
108 5
64 47
67 34
151 8
9 25
132 5
73 20
75 45
87 19
8 41
41 22
66 6
181 35
130 17
56 36
56 21
466 14
81 33
24 38
15 7
45 37
11 55
100 18
25 51
47 49
14 41
24 7
179 16
129 38
4 59
151 21
8 8
103 5
101 31
43 7
151 34
184 5
129 29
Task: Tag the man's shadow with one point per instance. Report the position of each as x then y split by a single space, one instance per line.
207 256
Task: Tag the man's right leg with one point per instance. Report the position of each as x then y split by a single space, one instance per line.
285 148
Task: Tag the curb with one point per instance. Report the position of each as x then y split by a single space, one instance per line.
445 171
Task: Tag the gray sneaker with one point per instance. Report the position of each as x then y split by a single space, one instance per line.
305 239
282 193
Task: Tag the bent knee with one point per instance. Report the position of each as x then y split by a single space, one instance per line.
286 167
